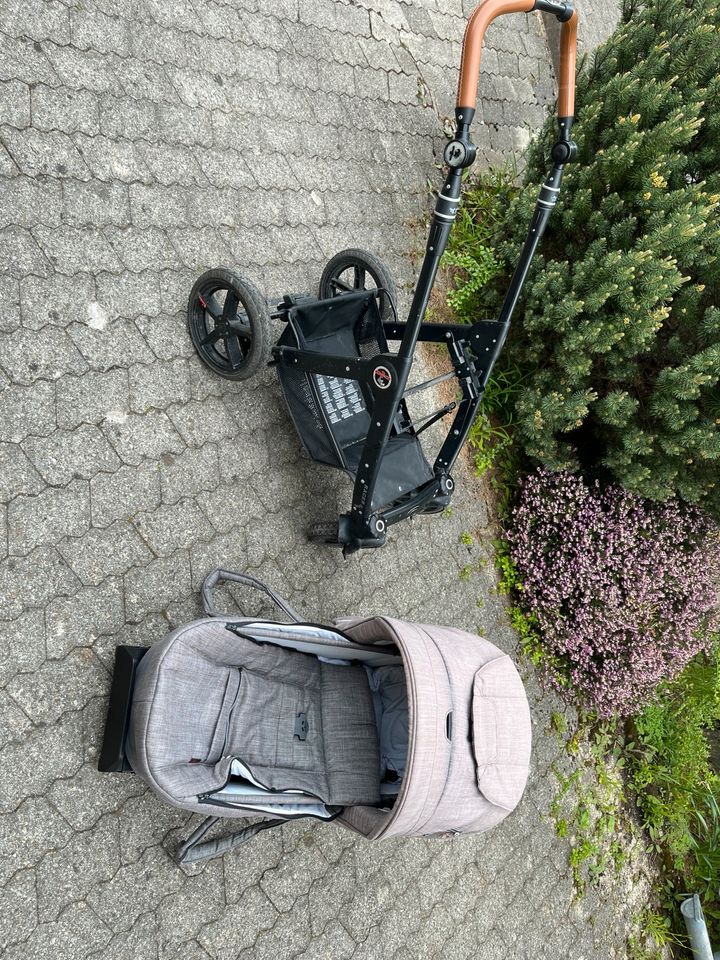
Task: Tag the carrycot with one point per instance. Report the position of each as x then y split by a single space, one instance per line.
392 728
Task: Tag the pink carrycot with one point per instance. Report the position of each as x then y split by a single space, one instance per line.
392 728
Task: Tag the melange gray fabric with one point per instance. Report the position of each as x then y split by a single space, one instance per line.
204 696
469 732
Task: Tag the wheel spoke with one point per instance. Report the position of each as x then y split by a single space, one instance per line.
230 308
359 273
241 324
339 284
212 337
232 345
208 303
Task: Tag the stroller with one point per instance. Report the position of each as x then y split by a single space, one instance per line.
346 391
391 728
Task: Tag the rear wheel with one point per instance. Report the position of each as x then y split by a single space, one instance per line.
352 270
229 324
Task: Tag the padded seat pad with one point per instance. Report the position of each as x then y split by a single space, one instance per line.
212 696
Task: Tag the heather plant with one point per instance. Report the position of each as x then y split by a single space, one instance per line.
621 591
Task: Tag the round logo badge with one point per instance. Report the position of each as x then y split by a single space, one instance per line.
382 377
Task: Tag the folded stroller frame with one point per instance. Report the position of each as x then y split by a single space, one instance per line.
345 388
387 727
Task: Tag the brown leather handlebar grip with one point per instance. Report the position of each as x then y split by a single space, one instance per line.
568 56
472 52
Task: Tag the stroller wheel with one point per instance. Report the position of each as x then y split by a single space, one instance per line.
229 324
352 270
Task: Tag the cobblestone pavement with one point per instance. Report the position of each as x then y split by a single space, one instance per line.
141 141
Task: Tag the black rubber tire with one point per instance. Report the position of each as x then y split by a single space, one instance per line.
366 263
251 350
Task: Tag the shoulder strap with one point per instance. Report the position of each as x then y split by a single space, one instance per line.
193 851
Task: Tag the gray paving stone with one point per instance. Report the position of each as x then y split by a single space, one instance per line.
92 611
55 300
106 343
193 471
238 926
95 202
92 398
110 160
50 153
47 517
173 526
166 335
33 581
25 202
124 493
17 474
67 455
77 675
18 907
137 437
156 585
45 755
116 901
22 644
73 871
15 103
77 932
73 249
27 355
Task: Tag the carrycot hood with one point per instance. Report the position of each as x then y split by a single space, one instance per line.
469 731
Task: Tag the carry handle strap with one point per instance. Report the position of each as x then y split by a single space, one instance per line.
219 575
193 851
475 31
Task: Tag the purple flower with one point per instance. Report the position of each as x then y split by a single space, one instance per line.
624 591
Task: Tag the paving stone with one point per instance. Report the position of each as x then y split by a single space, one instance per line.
18 907
189 473
173 527
109 159
76 674
106 343
79 621
136 437
76 869
238 926
48 516
27 355
166 335
201 901
73 249
116 901
128 294
25 202
66 455
124 493
200 423
96 202
20 253
138 943
33 580
22 644
157 584
158 385
77 932
15 103
46 754
92 398
17 474
50 153
56 299
83 799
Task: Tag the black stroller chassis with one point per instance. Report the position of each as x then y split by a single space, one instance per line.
346 390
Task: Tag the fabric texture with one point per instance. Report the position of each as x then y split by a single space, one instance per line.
205 695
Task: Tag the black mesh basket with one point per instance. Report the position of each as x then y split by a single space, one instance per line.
331 413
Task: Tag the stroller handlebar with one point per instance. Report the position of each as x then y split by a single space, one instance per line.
475 31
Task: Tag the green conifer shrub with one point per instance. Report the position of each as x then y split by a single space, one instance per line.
619 327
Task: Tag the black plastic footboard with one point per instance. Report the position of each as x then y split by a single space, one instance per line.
112 753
